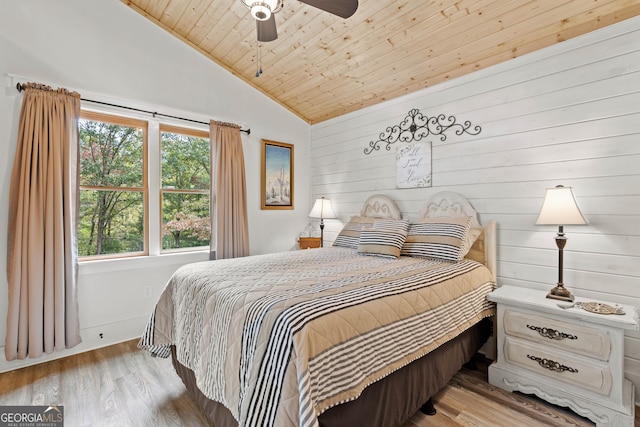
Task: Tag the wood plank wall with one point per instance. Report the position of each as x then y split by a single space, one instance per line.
569 114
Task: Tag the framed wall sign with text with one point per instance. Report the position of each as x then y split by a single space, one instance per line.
413 165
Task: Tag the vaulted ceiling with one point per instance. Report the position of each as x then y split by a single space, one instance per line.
322 66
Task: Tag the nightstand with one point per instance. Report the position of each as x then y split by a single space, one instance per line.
308 242
568 357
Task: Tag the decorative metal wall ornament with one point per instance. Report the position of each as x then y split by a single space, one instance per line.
416 126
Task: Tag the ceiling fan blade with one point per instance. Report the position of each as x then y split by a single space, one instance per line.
267 29
341 8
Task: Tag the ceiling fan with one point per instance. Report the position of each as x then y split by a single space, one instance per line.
264 13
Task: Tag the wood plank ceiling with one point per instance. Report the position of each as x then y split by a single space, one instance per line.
322 66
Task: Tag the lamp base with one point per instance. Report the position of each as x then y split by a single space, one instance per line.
561 293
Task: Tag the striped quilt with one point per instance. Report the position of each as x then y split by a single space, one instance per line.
280 338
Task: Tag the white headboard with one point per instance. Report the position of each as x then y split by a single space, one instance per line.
449 203
444 203
379 206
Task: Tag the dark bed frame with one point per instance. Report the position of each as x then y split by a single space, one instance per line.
386 403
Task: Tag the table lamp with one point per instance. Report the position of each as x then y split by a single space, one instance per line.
560 208
322 209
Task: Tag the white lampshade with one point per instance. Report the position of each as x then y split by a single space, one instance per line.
560 208
322 209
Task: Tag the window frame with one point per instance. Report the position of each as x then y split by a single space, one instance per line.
197 133
151 189
131 122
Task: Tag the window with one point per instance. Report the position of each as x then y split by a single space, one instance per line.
185 183
113 186
144 187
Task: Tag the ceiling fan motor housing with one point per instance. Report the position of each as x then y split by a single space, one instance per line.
263 11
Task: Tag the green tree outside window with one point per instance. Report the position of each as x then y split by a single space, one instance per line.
186 179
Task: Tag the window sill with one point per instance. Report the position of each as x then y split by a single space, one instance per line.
141 262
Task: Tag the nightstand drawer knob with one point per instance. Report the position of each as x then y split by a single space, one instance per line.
552 334
552 365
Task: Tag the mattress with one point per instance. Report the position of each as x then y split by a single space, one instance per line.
279 339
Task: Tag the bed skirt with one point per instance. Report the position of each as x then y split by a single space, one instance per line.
388 402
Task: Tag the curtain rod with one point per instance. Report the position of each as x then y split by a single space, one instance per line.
153 113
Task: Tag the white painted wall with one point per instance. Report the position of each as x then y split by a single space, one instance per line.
105 50
569 114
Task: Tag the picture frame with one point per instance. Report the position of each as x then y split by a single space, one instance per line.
276 160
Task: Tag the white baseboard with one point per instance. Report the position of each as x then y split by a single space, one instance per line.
92 339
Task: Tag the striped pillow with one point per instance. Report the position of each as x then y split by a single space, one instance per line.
392 224
384 239
440 238
349 236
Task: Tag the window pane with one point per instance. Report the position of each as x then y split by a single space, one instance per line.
185 220
185 162
111 222
111 155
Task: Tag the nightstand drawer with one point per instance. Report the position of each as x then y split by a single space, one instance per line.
562 335
583 373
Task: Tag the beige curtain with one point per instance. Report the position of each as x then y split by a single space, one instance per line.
42 245
231 226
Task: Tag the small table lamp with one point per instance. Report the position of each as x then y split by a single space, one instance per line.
322 209
560 208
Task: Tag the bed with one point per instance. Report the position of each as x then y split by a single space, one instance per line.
360 333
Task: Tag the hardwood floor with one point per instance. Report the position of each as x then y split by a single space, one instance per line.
123 386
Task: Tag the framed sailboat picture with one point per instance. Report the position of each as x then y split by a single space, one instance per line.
277 175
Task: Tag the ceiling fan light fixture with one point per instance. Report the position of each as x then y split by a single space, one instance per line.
262 10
